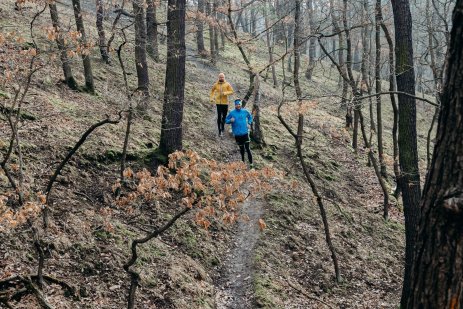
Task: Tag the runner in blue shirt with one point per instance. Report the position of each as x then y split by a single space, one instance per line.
240 118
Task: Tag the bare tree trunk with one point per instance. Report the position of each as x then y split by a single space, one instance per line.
253 21
211 31
172 115
342 81
311 66
68 77
270 44
89 84
152 31
256 132
437 269
379 119
101 32
351 77
140 52
200 28
216 29
298 137
392 87
408 151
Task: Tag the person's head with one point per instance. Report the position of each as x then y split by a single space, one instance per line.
238 104
221 77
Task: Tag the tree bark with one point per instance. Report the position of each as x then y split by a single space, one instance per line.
311 66
395 109
298 138
152 46
256 132
379 119
140 52
172 115
200 28
408 153
342 63
437 267
211 32
270 44
68 77
89 84
348 65
216 29
101 32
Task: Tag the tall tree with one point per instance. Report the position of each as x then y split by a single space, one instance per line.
172 114
89 84
152 31
379 119
311 66
215 14
408 151
211 31
140 50
200 28
342 63
300 132
437 280
395 109
270 43
68 76
101 32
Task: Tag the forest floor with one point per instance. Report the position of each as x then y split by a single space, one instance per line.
287 265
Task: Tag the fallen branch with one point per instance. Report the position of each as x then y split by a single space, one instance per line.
306 294
124 12
15 280
31 286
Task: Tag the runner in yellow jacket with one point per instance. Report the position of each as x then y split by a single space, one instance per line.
219 96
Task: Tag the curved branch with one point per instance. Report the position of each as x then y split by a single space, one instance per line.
74 149
135 276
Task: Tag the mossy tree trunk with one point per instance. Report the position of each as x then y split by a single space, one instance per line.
409 180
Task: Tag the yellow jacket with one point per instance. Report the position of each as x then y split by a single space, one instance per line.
220 92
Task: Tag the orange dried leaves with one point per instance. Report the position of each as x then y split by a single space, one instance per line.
195 182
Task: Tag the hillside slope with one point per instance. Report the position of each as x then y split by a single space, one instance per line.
186 267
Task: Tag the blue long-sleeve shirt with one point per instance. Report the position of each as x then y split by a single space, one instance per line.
242 118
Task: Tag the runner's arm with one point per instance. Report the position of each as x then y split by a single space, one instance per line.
228 90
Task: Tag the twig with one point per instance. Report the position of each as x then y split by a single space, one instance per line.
31 286
124 12
84 195
306 294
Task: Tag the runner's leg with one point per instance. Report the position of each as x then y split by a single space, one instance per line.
248 150
224 115
219 118
242 152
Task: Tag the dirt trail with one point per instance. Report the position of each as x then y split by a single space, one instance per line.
234 286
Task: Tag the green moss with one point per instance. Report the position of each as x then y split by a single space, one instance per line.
263 293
